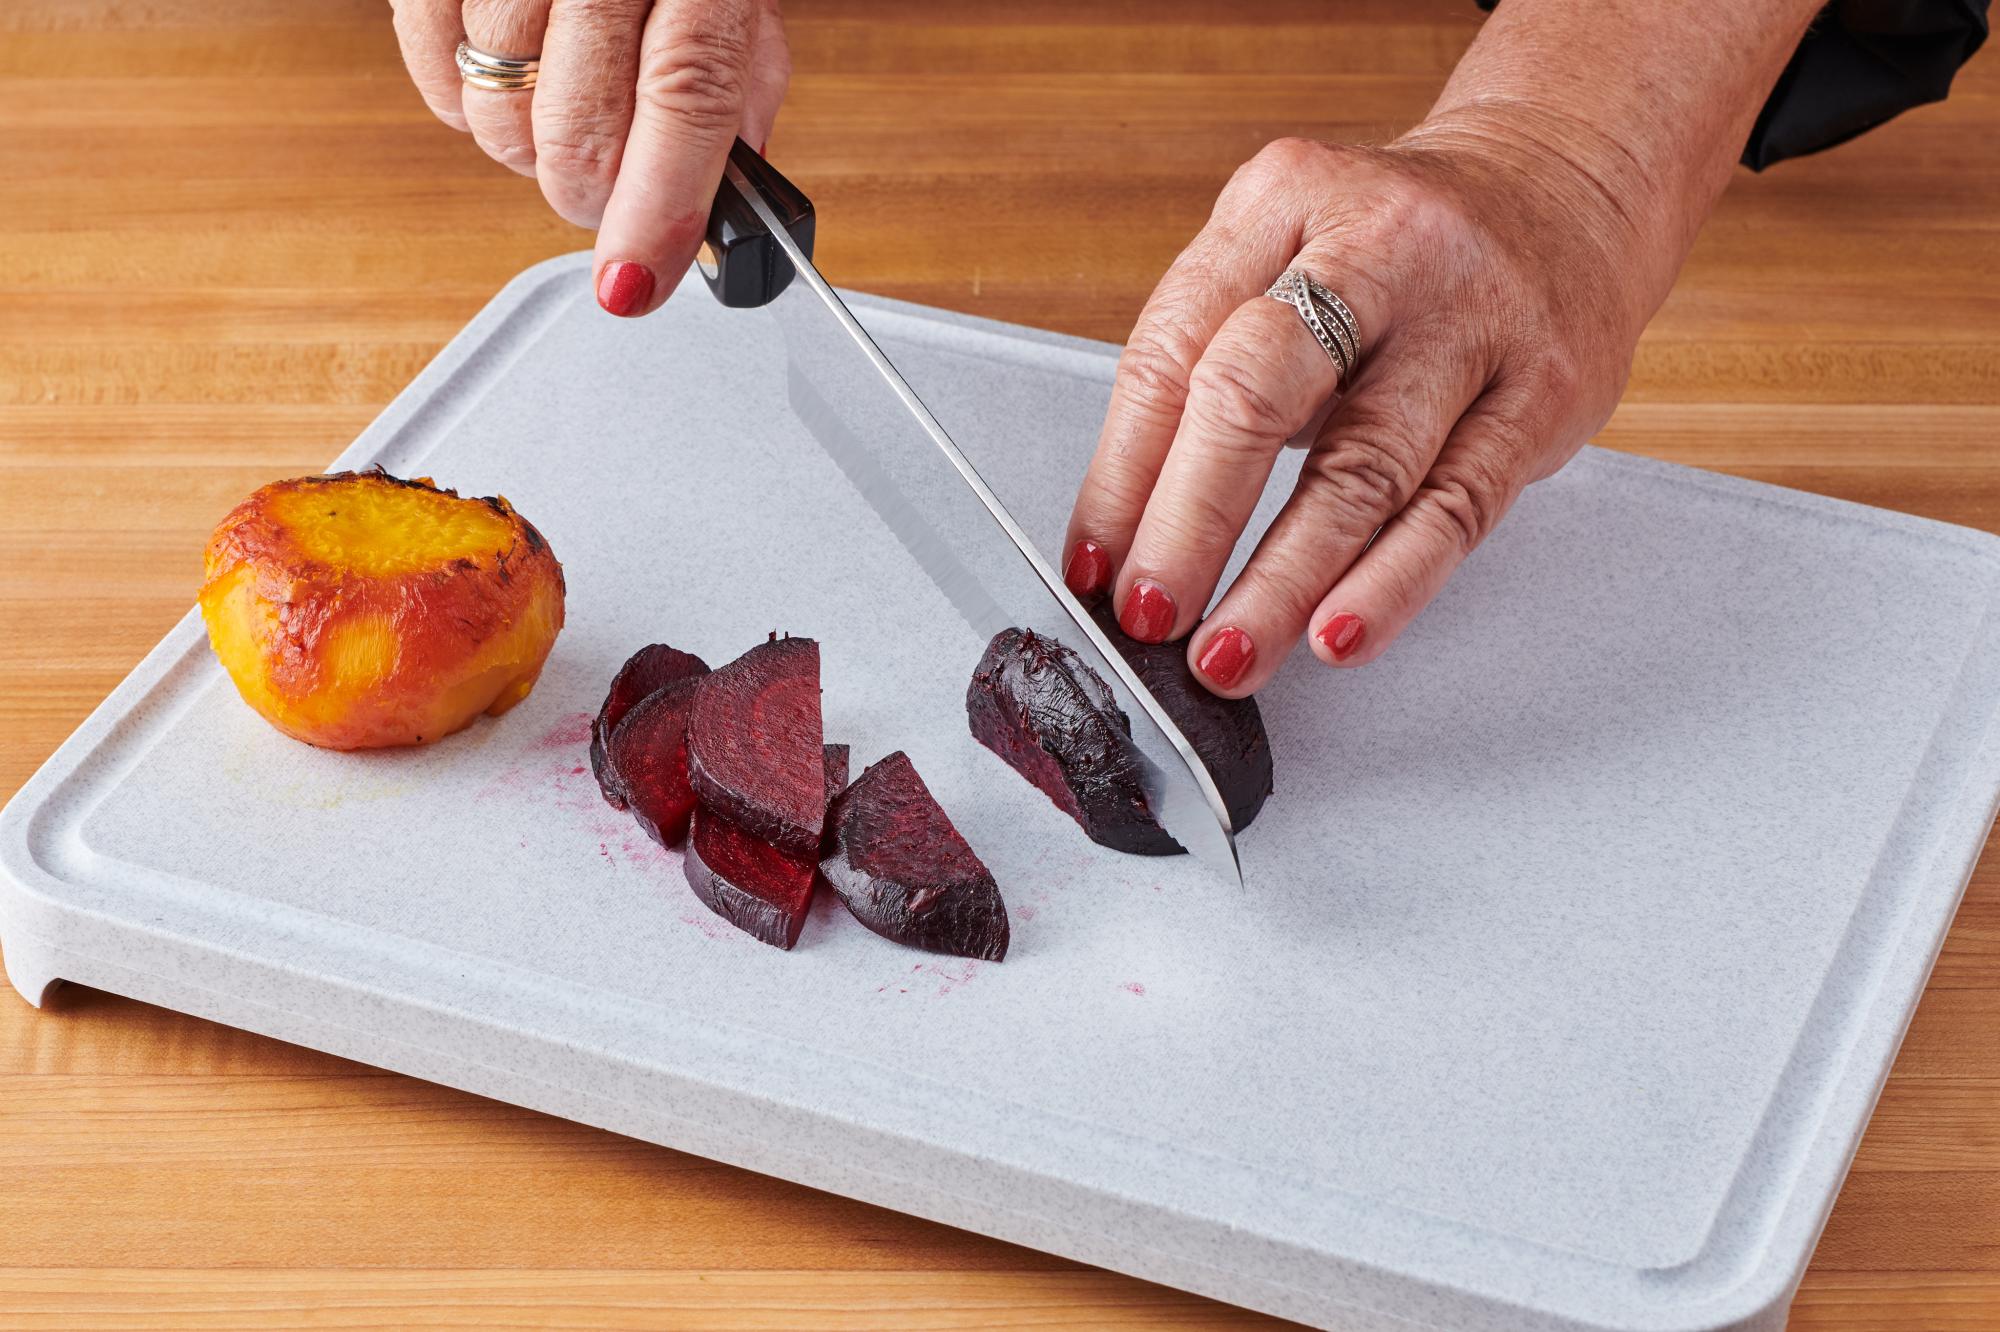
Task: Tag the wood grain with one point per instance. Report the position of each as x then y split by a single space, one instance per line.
215 269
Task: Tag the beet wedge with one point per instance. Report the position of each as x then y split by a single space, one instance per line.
647 757
651 667
1045 712
759 889
754 744
1037 705
1228 733
905 872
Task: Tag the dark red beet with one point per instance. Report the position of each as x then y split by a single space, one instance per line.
751 884
1033 702
647 757
650 668
1037 705
754 752
835 757
904 871
1228 733
836 782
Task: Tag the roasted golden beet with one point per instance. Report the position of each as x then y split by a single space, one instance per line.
357 610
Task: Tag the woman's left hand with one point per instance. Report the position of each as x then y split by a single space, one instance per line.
1500 289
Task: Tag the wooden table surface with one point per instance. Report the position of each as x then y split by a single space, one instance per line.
216 266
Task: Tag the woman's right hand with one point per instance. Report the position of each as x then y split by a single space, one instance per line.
633 115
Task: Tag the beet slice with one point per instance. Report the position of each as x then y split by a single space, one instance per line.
751 884
754 744
905 872
647 756
651 667
1038 706
759 889
1228 733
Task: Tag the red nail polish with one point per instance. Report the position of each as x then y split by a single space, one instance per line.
624 287
1227 656
1343 634
1149 612
1088 572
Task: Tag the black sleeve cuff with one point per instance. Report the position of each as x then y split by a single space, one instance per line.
1861 63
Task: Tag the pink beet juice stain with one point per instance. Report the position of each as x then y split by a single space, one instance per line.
710 928
950 977
571 730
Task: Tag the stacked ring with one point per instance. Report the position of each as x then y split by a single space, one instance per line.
498 73
1331 323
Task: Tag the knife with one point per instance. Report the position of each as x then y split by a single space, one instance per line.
877 430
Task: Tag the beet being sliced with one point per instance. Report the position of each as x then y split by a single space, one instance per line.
1038 706
1228 733
647 757
651 667
905 872
761 890
754 744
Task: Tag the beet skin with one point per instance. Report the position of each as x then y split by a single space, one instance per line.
1037 705
754 744
650 668
646 759
759 889
903 870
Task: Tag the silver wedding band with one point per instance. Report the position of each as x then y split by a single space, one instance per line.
497 73
1331 323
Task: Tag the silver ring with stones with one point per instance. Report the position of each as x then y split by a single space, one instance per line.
1326 316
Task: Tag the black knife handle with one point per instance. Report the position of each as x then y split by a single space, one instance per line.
740 262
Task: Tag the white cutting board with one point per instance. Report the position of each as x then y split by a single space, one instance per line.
1575 944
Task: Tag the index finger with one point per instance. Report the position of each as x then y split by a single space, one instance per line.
694 80
1225 265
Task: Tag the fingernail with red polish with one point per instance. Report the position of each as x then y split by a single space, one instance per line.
624 287
1343 634
1088 572
1227 656
1149 612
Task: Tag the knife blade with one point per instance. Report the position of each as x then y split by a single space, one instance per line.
853 400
